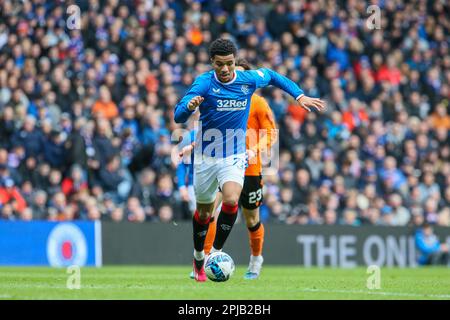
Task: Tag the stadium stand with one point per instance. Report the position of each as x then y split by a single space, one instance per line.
86 115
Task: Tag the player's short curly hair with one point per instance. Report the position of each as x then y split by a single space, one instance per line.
241 62
222 47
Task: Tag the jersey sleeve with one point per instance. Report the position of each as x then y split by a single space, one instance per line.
198 88
181 175
264 77
188 138
267 123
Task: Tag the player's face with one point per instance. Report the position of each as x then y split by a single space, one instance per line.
224 67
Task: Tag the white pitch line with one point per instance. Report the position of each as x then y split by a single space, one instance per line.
159 287
382 293
306 290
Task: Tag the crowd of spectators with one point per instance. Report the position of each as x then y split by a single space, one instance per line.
86 115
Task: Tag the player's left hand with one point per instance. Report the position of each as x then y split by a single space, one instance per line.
187 150
307 103
249 155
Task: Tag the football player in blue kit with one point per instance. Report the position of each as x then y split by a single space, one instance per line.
223 97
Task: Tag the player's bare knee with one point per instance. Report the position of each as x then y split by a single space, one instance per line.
205 210
230 203
231 192
251 218
230 200
204 215
251 221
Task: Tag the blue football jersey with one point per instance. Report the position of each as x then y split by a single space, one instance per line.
225 109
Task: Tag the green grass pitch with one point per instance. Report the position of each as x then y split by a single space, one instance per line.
172 282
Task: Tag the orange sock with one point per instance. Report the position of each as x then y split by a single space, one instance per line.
256 237
210 236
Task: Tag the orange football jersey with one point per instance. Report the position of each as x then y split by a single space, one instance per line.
261 132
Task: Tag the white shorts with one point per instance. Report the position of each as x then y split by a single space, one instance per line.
192 202
210 173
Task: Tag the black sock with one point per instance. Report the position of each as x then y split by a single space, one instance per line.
198 263
200 228
225 222
255 227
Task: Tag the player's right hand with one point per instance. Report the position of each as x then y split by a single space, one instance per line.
195 102
187 150
184 194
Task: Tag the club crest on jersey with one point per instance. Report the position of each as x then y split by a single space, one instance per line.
245 89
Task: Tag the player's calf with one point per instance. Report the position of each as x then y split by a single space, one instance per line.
225 223
200 227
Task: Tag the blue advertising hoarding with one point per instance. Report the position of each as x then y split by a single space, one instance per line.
56 244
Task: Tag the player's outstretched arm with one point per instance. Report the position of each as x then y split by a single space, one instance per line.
265 77
192 99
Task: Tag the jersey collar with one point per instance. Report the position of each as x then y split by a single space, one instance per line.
229 82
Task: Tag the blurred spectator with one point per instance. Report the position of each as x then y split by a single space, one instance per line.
431 251
10 194
7 212
7 127
302 187
54 150
104 106
26 214
165 194
102 144
440 118
134 210
75 183
165 214
392 176
350 218
117 214
144 190
276 20
401 215
114 181
39 205
54 182
428 188
330 217
91 209
58 208
29 137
